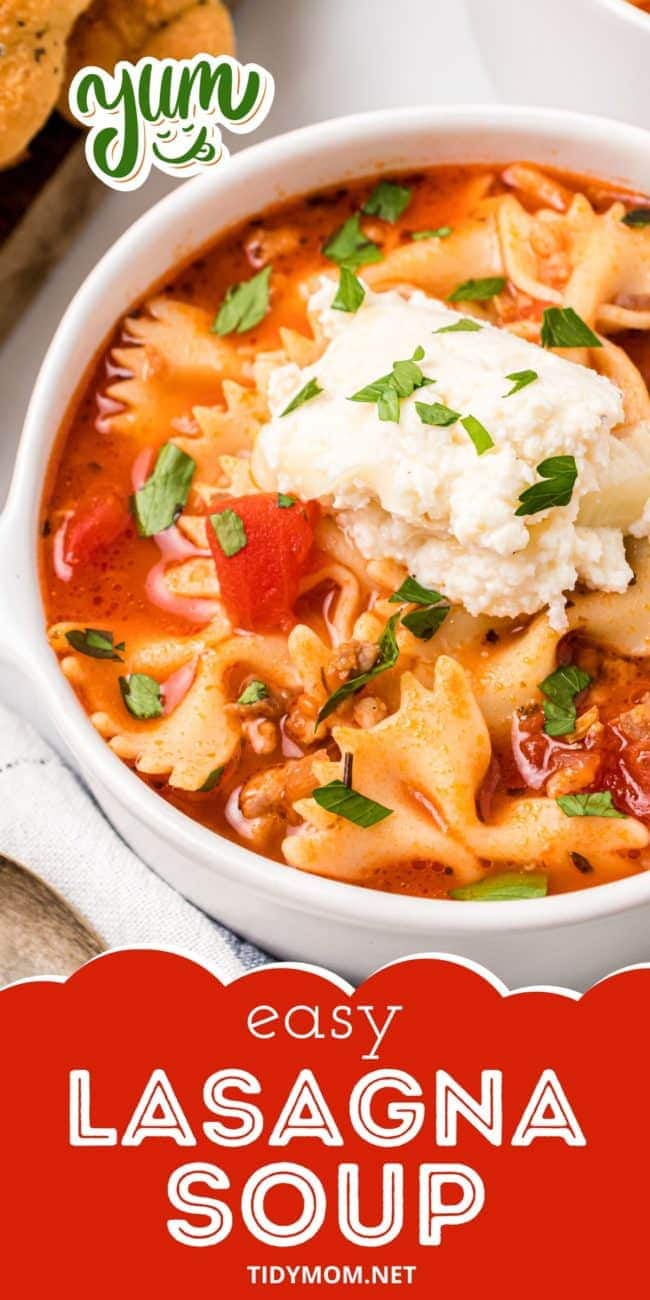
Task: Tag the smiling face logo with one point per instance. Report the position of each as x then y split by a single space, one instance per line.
166 113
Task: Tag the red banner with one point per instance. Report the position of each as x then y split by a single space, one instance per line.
163 1132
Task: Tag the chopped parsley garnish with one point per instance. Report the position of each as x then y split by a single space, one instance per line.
436 413
422 623
142 695
559 474
350 293
230 531
338 798
244 305
637 217
562 327
96 643
511 885
349 246
411 590
598 804
561 689
254 692
389 390
157 505
311 389
441 232
387 201
431 612
521 379
386 658
213 778
285 501
478 433
466 325
478 290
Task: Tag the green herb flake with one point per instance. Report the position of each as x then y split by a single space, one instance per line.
509 886
436 413
349 246
465 325
440 232
478 290
598 804
157 505
285 501
254 692
413 592
559 474
388 201
431 612
562 327
337 797
350 293
520 379
212 779
389 390
96 643
478 433
244 305
230 531
142 695
387 658
422 623
388 406
560 689
637 217
311 389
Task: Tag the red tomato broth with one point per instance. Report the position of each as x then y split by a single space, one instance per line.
623 762
90 460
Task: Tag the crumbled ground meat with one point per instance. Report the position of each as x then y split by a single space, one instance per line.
368 709
300 722
270 706
575 774
349 660
264 246
262 734
635 724
274 791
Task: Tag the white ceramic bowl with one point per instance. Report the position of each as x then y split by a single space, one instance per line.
587 54
568 939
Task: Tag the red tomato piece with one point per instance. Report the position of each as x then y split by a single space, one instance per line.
260 583
94 525
623 765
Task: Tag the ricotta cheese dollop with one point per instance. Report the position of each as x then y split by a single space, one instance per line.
421 494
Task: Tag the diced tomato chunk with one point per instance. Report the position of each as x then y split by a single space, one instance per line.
260 582
611 761
94 525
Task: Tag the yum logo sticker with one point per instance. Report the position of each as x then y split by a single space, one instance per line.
166 113
427 1130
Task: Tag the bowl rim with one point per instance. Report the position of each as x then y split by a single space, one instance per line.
622 9
296 890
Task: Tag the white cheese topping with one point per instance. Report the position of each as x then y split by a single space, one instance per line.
422 495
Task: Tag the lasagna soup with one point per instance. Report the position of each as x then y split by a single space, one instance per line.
345 543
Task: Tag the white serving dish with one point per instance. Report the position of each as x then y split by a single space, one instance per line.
591 55
567 939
